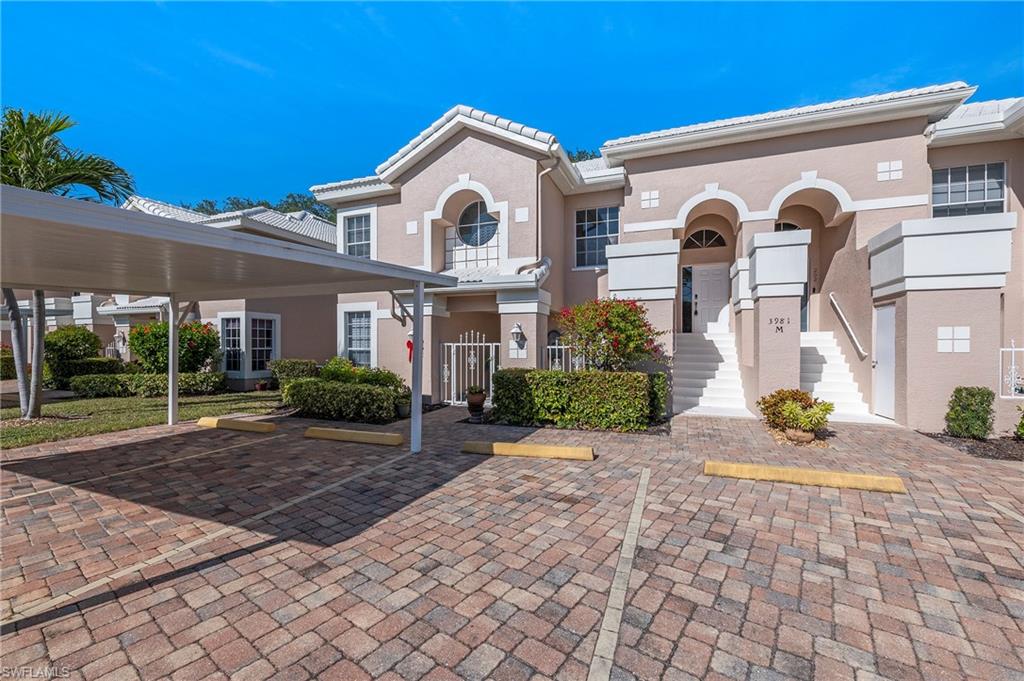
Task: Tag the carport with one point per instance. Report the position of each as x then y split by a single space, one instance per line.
59 244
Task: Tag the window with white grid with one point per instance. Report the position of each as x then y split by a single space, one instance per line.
357 337
596 229
969 190
474 241
261 343
231 337
357 235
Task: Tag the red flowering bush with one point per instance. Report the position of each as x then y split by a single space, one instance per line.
198 346
611 334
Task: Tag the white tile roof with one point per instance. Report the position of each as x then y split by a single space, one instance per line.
474 274
142 304
788 113
475 114
368 181
302 223
973 113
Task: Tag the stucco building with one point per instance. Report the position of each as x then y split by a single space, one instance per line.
867 250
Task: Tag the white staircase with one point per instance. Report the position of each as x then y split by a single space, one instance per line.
825 374
706 375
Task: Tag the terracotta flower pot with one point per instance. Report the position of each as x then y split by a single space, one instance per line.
475 404
799 436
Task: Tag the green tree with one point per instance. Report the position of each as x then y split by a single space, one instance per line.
289 203
583 155
33 156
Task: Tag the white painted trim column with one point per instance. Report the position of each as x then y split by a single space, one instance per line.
172 360
416 408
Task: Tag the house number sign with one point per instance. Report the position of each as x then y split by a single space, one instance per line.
780 323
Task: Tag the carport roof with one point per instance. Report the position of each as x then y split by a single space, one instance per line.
57 243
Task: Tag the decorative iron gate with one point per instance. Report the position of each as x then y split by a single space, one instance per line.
565 358
470 361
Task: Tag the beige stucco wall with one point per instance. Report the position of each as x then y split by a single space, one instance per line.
776 344
585 283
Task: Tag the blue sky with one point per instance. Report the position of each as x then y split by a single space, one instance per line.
211 100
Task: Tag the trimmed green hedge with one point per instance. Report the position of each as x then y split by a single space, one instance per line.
146 385
95 365
337 401
600 400
65 345
288 370
7 370
970 412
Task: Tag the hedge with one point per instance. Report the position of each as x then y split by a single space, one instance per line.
338 401
95 365
146 385
287 370
65 345
604 400
970 412
7 370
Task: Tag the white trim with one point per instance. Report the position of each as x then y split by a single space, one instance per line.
245 341
536 301
500 207
412 227
593 268
644 294
523 214
371 307
353 211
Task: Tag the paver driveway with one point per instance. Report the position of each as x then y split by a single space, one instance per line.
204 554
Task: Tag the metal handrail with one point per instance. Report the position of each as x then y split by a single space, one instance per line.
846 325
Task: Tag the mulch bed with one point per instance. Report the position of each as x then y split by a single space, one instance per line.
819 442
1002 448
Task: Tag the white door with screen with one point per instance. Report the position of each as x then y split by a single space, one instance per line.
885 361
710 298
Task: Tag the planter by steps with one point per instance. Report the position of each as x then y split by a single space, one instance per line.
799 436
475 403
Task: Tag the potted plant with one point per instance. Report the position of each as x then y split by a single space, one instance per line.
262 385
403 405
475 397
801 423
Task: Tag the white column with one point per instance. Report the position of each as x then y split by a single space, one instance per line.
416 436
172 361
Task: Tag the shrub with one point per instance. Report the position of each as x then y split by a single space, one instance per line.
611 334
582 399
146 385
1019 433
68 344
338 401
808 419
338 369
100 385
512 398
970 412
95 365
287 370
657 390
771 405
198 346
7 370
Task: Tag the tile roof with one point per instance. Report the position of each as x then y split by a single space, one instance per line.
302 223
978 112
788 113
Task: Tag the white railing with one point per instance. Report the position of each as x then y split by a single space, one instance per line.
112 349
1011 372
470 361
846 325
565 358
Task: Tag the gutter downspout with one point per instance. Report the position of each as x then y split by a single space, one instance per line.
540 178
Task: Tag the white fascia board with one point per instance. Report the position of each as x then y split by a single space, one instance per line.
958 224
938 104
333 197
940 283
1002 125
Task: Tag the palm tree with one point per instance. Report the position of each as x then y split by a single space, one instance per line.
33 156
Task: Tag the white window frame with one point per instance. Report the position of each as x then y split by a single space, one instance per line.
354 211
246 341
576 238
967 188
370 307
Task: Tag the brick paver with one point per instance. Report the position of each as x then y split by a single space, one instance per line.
453 566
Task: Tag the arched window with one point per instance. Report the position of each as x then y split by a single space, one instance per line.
786 227
704 238
476 225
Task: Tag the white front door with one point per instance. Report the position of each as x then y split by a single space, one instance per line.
710 298
885 361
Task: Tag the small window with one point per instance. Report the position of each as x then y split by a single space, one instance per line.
596 229
786 227
261 344
357 235
476 225
357 337
704 238
231 333
969 190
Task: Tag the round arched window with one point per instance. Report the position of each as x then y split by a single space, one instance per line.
704 238
786 227
476 225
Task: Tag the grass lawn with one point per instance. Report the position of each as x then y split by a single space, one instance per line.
75 418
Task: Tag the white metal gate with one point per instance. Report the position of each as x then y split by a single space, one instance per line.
470 361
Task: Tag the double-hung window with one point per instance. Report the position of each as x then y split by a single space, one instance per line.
357 235
261 343
357 337
969 190
596 229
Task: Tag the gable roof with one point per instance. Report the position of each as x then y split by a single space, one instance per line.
990 120
301 226
934 101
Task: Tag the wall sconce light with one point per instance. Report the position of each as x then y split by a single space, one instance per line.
517 334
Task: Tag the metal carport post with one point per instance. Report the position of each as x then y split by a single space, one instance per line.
58 244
